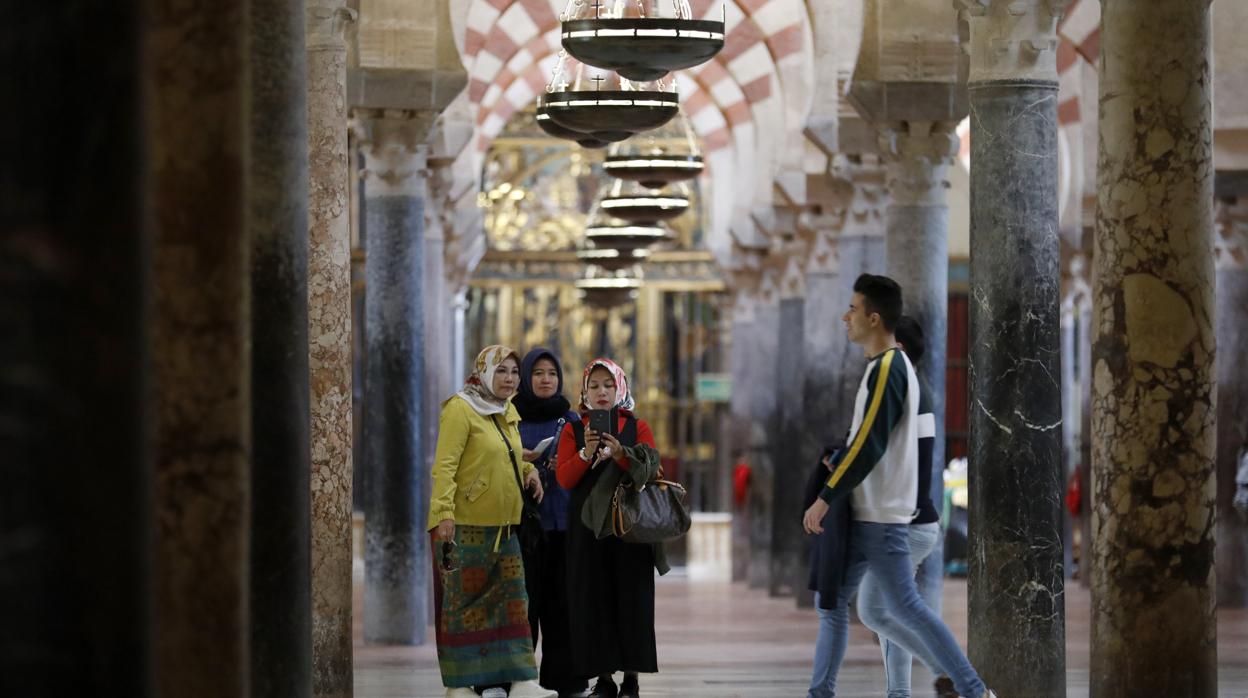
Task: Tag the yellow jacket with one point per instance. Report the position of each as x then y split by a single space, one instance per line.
473 480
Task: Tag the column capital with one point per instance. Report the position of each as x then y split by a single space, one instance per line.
1012 39
1230 243
395 148
327 23
918 155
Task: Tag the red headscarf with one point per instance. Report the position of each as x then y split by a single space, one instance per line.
623 397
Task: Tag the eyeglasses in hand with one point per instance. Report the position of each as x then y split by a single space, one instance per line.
448 547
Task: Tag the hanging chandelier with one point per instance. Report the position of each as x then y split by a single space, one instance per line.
611 259
621 35
625 237
597 107
606 290
664 156
640 206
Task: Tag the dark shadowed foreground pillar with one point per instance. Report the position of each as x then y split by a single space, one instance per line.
1016 602
396 548
1154 627
280 596
788 559
197 96
74 507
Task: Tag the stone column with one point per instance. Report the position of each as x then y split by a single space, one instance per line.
329 353
280 596
788 563
860 249
75 517
396 546
917 156
1016 586
1231 247
201 418
1153 404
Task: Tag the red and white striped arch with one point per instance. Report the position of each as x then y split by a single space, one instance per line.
764 75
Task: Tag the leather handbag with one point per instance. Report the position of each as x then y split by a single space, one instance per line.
655 513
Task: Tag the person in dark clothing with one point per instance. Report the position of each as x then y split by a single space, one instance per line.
924 534
543 413
610 582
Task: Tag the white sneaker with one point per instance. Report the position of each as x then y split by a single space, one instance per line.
495 692
461 693
530 689
989 694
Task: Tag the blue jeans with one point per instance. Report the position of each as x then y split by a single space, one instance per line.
873 610
884 550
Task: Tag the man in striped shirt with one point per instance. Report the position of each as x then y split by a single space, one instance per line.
878 470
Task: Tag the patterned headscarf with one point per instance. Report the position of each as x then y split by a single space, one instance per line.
623 397
478 390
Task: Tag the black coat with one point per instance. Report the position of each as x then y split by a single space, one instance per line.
829 556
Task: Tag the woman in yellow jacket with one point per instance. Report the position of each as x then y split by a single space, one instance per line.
480 602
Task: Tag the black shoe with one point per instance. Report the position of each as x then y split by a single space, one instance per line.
628 687
605 688
944 688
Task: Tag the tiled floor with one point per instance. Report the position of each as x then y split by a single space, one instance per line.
727 640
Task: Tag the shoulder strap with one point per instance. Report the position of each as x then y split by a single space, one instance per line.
511 452
628 437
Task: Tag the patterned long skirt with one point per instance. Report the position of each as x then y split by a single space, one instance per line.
482 610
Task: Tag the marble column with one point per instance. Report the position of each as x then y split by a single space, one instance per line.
1231 263
329 347
917 155
1016 587
200 345
396 546
789 563
76 511
860 249
1153 404
280 595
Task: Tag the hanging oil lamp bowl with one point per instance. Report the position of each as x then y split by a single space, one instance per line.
644 208
653 170
611 259
608 291
643 48
609 115
625 237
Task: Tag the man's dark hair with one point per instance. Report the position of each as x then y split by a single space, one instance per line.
910 335
883 296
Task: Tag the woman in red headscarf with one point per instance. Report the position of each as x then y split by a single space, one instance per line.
610 582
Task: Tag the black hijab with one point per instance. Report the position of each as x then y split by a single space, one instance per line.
533 408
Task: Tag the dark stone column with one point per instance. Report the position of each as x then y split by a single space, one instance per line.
1231 247
197 102
918 155
788 564
396 546
1016 586
1154 623
280 599
75 510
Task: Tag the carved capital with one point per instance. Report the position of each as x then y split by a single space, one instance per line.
1230 240
917 156
395 150
327 24
864 180
1012 39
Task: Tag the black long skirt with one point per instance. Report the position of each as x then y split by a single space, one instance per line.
610 597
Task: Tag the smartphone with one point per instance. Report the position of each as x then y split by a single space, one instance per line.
600 421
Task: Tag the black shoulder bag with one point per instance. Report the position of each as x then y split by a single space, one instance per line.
530 515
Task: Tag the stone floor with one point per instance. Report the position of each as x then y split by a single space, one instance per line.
727 640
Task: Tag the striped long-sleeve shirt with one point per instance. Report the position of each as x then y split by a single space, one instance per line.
880 464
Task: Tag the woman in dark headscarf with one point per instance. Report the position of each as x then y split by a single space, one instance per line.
543 412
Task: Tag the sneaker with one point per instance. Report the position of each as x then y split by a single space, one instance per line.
494 692
989 694
944 688
605 688
628 687
461 693
529 689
